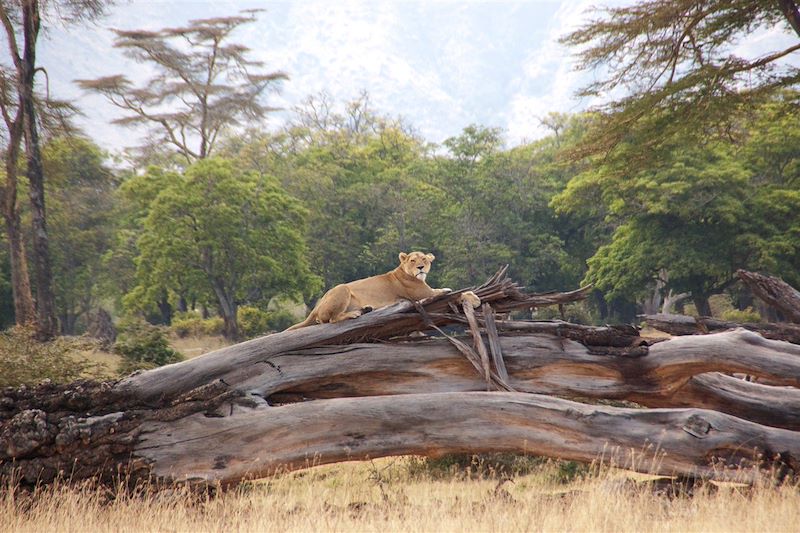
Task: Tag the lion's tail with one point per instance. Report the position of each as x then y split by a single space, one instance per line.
309 321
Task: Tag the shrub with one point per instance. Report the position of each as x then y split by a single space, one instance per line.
187 324
254 322
213 326
577 313
742 316
143 346
280 320
26 361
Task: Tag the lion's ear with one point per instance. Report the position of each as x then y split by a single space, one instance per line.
403 256
431 257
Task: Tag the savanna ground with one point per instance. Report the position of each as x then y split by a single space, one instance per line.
490 493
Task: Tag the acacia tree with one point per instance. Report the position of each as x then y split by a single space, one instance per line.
225 232
677 65
22 22
203 84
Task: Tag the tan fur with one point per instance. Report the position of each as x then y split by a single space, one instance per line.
406 282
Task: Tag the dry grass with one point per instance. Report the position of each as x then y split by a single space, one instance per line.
192 346
391 495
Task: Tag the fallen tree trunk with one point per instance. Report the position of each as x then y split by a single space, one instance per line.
687 325
243 411
264 440
92 430
252 440
775 292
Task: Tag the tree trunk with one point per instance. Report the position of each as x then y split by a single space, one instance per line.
101 327
45 300
311 396
165 309
775 292
228 310
24 311
701 304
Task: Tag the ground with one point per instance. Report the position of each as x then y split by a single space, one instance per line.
406 494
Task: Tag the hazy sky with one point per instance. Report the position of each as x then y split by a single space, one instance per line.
441 65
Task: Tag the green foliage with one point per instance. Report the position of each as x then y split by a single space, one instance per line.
26 361
492 466
222 231
577 313
192 325
680 73
280 320
143 346
742 316
79 200
253 321
691 219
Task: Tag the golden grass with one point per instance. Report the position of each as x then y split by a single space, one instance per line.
192 346
384 496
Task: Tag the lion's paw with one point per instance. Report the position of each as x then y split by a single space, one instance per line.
471 298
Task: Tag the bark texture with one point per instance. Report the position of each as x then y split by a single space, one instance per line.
775 292
322 394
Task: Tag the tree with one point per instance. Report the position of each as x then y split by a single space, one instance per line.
80 189
22 21
218 230
12 110
689 220
499 209
676 64
203 84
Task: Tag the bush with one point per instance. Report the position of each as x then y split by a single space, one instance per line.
254 322
187 324
143 346
742 316
280 320
26 361
577 313
213 326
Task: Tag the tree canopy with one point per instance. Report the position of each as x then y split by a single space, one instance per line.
203 84
221 231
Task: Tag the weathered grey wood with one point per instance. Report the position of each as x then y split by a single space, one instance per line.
94 430
494 342
687 325
775 292
477 342
536 363
169 381
258 442
763 404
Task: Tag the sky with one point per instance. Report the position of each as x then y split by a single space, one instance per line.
441 65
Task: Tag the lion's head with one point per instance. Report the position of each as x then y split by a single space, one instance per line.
416 264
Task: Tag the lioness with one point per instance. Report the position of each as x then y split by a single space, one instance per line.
406 282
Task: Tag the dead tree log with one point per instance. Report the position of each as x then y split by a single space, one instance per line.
242 411
775 292
687 325
93 430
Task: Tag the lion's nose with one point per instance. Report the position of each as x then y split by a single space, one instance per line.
421 267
